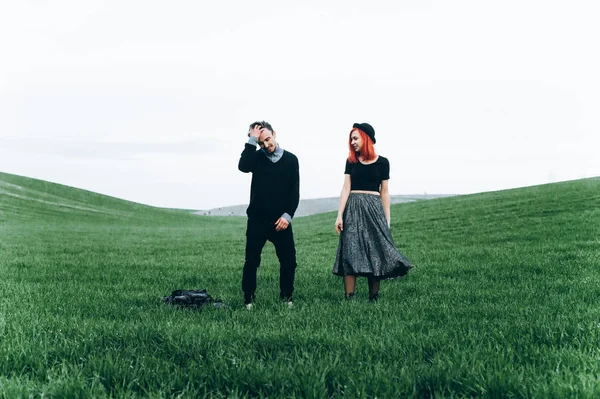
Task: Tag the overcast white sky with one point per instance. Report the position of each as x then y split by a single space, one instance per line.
151 101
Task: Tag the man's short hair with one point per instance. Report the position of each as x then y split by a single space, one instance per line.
262 124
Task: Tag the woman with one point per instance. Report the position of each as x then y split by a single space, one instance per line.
366 247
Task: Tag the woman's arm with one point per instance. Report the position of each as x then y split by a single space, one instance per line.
385 199
339 224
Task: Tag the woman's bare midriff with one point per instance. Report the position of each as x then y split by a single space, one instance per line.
365 192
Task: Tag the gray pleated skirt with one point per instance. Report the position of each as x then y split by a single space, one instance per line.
366 247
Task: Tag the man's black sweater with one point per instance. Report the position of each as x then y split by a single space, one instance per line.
275 188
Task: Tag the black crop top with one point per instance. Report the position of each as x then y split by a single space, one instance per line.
368 177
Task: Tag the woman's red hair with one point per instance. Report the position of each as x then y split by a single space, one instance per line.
367 151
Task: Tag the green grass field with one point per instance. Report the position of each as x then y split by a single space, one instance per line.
504 301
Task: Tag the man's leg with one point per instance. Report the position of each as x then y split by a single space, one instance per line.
286 252
255 241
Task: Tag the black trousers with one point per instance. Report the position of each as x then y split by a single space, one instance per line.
257 234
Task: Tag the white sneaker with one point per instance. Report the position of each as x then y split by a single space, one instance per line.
290 304
248 306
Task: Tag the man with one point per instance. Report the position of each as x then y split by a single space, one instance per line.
274 197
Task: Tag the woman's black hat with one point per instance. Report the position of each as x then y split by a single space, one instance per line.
368 129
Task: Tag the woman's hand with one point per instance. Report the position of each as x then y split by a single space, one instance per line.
339 225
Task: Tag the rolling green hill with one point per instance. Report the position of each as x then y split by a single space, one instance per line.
502 301
23 198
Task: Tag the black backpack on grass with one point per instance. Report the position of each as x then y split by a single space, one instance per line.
192 299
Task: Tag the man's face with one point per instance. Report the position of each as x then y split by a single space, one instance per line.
267 140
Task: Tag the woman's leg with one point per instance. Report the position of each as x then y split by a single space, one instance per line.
349 285
373 288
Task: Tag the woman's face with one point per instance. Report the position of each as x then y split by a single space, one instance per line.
356 141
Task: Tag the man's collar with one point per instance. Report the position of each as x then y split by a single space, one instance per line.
275 155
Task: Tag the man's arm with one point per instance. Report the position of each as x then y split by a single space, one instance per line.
292 200
248 158
294 193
